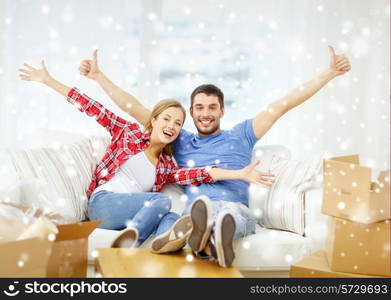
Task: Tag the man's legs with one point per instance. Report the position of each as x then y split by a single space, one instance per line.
230 221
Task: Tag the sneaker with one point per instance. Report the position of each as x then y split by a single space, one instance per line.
202 219
127 238
221 242
175 238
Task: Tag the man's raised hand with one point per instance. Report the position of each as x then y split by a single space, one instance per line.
339 64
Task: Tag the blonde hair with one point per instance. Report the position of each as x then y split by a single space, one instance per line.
157 110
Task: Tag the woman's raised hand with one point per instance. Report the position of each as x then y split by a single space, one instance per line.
89 67
30 73
250 174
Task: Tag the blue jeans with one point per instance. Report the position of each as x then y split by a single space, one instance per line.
147 212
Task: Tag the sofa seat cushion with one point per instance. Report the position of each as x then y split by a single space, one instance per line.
270 249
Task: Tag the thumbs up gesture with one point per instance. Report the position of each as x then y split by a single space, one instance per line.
89 67
339 63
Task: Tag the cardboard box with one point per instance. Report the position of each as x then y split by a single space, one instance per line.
349 193
25 258
316 265
70 250
359 248
66 256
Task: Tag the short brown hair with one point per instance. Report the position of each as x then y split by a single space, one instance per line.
157 110
208 89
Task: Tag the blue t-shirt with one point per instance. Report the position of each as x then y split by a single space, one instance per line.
229 149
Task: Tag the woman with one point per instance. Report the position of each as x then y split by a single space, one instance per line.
125 186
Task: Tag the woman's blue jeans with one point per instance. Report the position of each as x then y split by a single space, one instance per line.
147 212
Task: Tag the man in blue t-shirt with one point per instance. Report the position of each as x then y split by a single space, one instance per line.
216 213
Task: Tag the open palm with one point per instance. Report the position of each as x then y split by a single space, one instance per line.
32 74
250 174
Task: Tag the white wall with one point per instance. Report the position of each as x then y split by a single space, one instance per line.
270 46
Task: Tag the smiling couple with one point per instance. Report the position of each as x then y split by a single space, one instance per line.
125 188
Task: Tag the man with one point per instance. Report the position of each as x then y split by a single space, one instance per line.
219 211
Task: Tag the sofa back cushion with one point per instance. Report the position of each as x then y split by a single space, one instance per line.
282 205
65 169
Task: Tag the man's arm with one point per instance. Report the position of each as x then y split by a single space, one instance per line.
339 64
124 100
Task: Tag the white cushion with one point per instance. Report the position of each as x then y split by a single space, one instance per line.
8 175
281 206
270 249
67 169
37 194
11 193
178 198
269 155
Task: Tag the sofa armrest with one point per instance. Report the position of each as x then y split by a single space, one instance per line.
178 198
315 221
11 194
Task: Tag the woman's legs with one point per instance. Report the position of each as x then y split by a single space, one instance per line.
142 211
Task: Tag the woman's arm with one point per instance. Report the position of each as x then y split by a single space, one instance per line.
124 100
196 176
43 76
110 121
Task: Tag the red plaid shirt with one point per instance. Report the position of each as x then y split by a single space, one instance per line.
127 139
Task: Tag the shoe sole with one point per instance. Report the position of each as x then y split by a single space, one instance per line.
181 229
126 239
202 224
225 231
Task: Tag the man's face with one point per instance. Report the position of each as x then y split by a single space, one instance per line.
206 113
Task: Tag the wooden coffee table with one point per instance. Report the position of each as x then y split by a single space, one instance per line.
140 262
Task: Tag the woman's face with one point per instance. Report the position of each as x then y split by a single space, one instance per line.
167 125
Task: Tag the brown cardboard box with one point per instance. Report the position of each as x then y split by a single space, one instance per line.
359 248
66 256
69 252
348 192
25 258
316 265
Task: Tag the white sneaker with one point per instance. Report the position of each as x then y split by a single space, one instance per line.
127 238
175 238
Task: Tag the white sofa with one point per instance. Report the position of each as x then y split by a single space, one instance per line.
269 250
